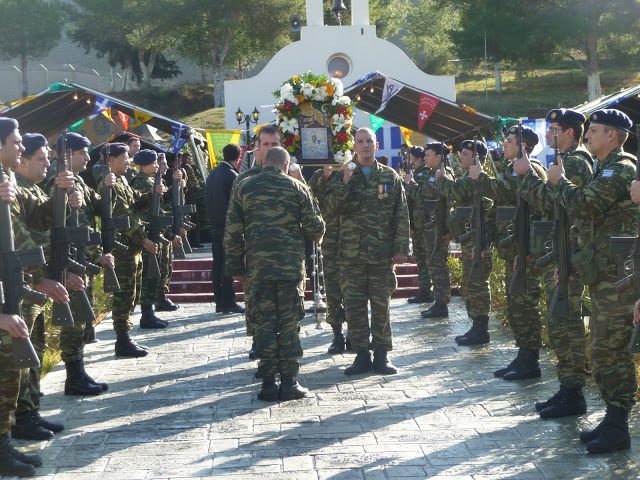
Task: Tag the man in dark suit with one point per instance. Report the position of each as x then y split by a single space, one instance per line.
219 184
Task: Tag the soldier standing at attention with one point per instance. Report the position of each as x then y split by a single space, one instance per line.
374 234
566 333
192 195
603 209
418 217
134 144
269 217
477 293
437 261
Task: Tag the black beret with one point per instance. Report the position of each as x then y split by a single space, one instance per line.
612 118
481 148
7 126
417 152
145 157
439 148
565 115
32 142
115 149
75 142
528 134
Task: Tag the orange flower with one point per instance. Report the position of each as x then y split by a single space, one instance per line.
300 98
330 90
281 116
296 137
296 78
314 84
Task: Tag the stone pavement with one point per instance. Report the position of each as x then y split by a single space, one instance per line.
189 410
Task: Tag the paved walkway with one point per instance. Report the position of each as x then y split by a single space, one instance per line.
189 410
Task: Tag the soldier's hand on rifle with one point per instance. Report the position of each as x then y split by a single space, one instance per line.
110 180
14 325
53 290
108 261
635 191
523 164
556 277
74 282
183 231
65 180
556 172
440 171
636 313
75 200
150 246
408 177
7 192
399 258
160 189
327 171
475 170
177 174
177 241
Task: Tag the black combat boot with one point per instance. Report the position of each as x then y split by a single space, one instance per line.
569 402
437 310
149 319
55 427
28 458
338 344
473 320
104 386
527 367
234 308
290 389
11 464
381 363
76 383
347 344
26 428
479 333
614 432
422 297
269 390
163 304
501 372
362 364
127 347
252 352
91 336
551 401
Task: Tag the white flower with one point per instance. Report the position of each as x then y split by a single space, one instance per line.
289 125
307 90
286 90
340 122
343 157
320 93
344 101
339 88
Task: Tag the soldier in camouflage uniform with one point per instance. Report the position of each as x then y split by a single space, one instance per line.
522 309
319 183
193 196
603 209
437 249
567 333
374 233
268 219
418 218
477 293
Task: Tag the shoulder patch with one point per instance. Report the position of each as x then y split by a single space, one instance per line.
607 173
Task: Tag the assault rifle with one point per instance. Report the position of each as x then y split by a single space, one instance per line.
630 246
62 240
109 225
179 211
439 209
14 289
476 272
558 230
519 216
157 223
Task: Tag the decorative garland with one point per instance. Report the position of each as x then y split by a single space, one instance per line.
315 88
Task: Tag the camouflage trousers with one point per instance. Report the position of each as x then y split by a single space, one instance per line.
29 396
279 307
567 337
611 328
373 284
148 286
420 256
438 267
477 294
523 308
335 305
9 383
165 258
129 272
73 338
249 314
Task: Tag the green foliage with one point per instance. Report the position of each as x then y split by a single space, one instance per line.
455 269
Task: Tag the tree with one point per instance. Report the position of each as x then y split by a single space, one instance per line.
32 28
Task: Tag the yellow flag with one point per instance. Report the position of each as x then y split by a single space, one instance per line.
217 140
406 133
107 113
141 117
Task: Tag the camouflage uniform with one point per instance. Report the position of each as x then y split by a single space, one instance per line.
418 219
273 206
603 209
566 335
374 226
438 261
128 264
335 306
477 294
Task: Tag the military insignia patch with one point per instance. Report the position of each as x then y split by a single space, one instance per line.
554 115
607 173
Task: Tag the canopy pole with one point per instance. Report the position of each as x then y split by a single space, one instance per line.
196 152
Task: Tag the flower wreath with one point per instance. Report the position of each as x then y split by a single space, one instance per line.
315 88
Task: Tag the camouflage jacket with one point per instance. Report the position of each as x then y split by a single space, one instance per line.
27 192
430 192
414 197
603 207
374 219
268 220
319 186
